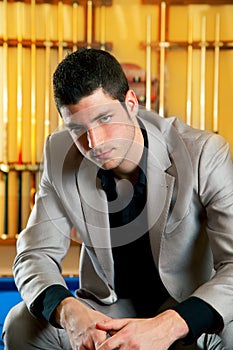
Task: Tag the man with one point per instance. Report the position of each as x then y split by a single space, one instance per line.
152 200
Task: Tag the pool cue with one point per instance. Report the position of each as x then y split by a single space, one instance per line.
60 44
202 76
60 30
189 72
75 25
162 57
6 201
89 23
33 84
216 73
148 63
33 105
5 122
5 86
102 27
19 110
19 81
47 74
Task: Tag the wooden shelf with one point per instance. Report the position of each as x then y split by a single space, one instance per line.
12 242
69 2
8 241
183 45
187 2
54 44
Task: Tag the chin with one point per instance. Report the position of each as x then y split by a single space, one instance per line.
110 164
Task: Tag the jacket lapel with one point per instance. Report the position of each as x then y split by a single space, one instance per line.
85 203
95 210
182 170
169 180
160 187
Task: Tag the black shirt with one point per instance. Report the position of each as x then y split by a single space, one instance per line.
135 274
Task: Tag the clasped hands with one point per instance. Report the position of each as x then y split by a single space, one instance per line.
159 332
91 330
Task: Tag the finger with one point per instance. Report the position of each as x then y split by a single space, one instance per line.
111 343
87 344
112 325
102 336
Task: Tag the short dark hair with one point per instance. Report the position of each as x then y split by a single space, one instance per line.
85 70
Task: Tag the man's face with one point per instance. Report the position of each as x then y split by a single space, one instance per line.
101 128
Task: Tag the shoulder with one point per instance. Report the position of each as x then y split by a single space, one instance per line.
200 143
60 142
60 149
60 137
173 129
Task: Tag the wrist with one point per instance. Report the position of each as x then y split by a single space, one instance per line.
62 310
179 328
173 326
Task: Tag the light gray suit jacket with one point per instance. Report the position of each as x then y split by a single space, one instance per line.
190 216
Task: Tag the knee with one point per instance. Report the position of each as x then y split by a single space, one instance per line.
14 327
227 336
21 330
13 319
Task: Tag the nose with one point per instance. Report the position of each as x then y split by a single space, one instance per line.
94 137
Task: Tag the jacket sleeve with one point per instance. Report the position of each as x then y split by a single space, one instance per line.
216 194
43 244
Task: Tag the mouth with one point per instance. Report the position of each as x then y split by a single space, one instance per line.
103 155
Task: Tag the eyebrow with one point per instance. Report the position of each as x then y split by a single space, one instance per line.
99 116
73 125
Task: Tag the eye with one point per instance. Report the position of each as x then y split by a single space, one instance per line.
105 119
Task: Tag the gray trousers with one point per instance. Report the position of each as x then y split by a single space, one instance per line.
22 331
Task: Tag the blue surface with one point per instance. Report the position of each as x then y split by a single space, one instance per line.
9 296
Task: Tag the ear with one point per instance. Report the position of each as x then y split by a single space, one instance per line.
131 102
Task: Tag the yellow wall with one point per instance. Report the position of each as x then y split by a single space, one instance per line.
125 24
